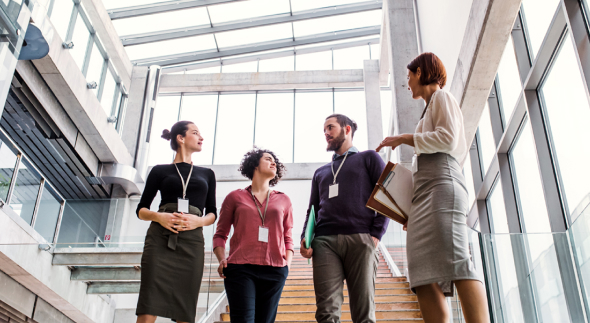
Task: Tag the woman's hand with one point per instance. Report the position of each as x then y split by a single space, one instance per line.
405 227
170 221
394 141
306 253
190 222
222 264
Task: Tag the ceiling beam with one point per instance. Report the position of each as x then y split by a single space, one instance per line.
263 56
167 6
258 47
150 37
261 81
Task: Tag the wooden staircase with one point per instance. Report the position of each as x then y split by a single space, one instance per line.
394 301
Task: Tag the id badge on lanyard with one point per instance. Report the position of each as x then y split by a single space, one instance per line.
183 206
333 189
262 230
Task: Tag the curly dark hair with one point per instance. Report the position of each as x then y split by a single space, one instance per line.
251 160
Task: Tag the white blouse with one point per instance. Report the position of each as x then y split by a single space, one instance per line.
441 129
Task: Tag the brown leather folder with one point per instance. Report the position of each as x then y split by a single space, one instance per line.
393 211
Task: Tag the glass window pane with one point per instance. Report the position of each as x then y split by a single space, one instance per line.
486 139
202 110
80 40
7 165
350 58
274 124
254 35
163 21
82 221
95 67
468 173
497 209
165 115
60 16
311 110
352 104
247 9
509 81
538 15
277 64
108 93
26 190
300 5
337 23
235 128
528 182
248 67
315 61
375 51
568 114
170 47
48 213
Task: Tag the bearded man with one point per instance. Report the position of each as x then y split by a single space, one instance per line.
347 233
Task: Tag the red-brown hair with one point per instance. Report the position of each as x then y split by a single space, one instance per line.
432 68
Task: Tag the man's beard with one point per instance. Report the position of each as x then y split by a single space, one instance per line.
336 142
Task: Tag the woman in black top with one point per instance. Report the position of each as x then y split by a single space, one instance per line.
174 251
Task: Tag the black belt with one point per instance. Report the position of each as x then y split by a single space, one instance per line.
172 207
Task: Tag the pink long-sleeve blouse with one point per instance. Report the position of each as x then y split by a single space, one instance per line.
238 209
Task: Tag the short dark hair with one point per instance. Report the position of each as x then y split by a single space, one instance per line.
433 69
178 128
344 121
251 160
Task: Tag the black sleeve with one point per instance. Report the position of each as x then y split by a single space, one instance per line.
210 203
152 185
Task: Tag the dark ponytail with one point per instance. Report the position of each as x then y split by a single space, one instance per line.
178 128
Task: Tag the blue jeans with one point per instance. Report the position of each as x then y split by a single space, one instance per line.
253 292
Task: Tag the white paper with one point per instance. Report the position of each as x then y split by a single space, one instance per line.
333 192
182 205
263 234
400 185
414 164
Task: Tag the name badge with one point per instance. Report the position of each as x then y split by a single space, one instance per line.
182 205
333 192
415 164
263 234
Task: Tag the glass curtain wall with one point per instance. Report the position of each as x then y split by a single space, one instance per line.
532 168
290 123
73 26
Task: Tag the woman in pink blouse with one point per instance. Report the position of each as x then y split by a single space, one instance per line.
261 247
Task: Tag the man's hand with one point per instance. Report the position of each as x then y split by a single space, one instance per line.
306 253
375 241
222 264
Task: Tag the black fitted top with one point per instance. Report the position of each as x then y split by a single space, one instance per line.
164 178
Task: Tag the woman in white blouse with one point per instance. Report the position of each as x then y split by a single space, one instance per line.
437 240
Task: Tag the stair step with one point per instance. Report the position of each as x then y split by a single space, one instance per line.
307 280
388 291
383 299
381 321
346 307
380 315
310 272
378 286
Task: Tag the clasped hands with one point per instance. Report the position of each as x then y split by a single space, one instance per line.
178 221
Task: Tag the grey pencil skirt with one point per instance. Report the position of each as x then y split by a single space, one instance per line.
437 242
171 270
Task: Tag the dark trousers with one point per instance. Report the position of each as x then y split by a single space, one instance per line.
253 292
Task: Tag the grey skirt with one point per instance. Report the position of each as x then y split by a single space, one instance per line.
437 242
171 270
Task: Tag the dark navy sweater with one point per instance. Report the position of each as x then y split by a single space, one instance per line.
347 213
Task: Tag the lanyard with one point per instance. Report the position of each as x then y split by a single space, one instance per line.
184 185
265 208
338 171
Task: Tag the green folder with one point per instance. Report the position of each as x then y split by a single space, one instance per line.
310 229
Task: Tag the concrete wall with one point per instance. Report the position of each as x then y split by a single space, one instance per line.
23 261
441 29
